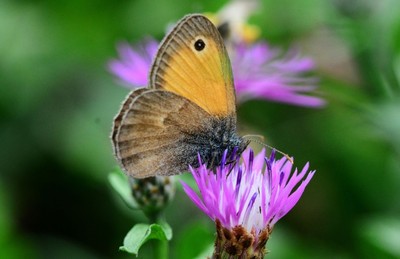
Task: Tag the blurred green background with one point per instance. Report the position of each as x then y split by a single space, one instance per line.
57 101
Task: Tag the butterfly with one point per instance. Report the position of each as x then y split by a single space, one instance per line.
187 110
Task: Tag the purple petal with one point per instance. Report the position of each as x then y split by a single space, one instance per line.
231 194
194 197
134 63
262 72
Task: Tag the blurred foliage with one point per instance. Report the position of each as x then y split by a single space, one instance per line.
57 101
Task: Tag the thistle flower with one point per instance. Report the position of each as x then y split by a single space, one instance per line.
245 200
259 71
263 72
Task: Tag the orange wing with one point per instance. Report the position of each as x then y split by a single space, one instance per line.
192 62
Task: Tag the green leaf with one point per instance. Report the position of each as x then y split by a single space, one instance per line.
166 229
141 233
119 182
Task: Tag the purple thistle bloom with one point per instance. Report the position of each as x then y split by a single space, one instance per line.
134 64
262 72
259 71
249 197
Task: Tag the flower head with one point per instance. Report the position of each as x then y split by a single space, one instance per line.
152 194
248 197
259 71
262 72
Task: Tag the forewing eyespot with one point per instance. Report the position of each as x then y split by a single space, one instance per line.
199 45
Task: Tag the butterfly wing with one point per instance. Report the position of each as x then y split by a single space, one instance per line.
157 133
188 109
192 62
124 108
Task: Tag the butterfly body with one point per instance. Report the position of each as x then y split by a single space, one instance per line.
210 142
187 110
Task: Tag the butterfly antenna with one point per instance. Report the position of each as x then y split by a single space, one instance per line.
259 140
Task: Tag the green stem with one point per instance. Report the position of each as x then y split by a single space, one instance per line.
161 249
160 246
